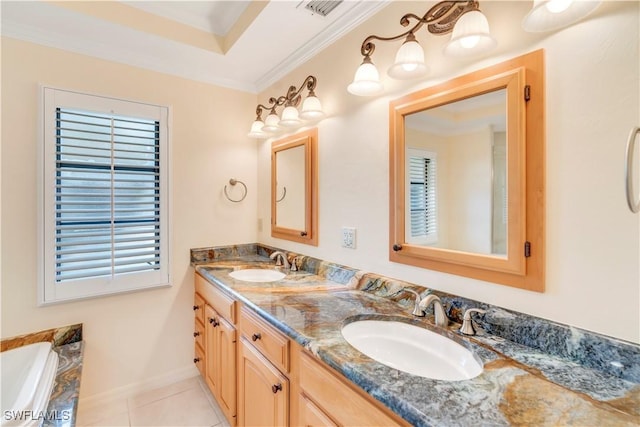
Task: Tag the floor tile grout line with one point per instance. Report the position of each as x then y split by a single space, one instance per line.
159 399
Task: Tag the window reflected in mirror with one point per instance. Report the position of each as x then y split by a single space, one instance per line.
456 175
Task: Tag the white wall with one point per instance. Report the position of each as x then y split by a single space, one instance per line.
144 338
593 91
469 178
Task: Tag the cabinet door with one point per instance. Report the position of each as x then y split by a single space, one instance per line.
211 352
263 390
312 416
226 357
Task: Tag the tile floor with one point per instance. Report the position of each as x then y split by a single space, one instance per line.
185 403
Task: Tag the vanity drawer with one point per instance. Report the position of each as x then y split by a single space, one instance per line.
323 387
198 308
199 359
269 341
199 333
221 302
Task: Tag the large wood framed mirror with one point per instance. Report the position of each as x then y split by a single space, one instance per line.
467 175
294 187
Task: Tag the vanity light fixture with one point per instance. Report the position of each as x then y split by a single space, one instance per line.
470 36
311 110
549 15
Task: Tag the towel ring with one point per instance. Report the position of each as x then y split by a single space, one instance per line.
284 193
632 201
233 182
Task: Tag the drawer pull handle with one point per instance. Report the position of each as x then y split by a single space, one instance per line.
196 307
256 337
196 334
276 388
196 360
214 322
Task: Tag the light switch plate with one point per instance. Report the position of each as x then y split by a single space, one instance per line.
349 237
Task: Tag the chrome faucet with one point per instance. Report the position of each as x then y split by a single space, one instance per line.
467 323
417 310
441 317
281 259
294 263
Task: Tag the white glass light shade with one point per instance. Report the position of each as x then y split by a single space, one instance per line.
470 35
311 109
271 123
549 15
289 117
256 130
409 62
366 81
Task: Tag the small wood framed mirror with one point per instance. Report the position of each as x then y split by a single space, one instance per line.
294 187
467 175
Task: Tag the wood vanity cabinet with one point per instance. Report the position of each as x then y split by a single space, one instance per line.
198 333
220 344
263 390
269 379
326 399
263 387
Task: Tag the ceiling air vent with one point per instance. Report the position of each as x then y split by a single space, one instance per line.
320 7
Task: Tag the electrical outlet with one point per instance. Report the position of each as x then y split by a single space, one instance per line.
349 237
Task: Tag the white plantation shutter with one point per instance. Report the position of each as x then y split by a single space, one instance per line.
422 220
105 194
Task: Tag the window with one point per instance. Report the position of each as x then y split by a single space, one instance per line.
422 213
105 208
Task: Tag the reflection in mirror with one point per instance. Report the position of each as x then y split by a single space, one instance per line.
467 175
294 188
455 158
290 183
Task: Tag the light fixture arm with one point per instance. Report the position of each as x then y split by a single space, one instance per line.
293 95
259 109
439 19
312 109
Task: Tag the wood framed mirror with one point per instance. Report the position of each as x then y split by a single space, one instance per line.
294 187
467 175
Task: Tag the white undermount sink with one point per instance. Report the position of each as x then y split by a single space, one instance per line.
257 275
412 349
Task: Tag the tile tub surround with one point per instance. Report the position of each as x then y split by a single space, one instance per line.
67 342
522 383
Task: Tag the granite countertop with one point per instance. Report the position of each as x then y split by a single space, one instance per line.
67 342
519 385
63 404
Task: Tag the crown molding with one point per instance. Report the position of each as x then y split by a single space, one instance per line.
358 13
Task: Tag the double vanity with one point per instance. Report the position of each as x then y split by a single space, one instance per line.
324 344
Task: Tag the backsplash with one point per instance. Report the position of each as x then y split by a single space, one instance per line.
589 349
57 337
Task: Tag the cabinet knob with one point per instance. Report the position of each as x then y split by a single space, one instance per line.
213 321
195 334
196 359
397 247
303 233
256 337
196 307
276 388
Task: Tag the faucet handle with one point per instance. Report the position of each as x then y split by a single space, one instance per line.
467 322
277 255
294 263
417 310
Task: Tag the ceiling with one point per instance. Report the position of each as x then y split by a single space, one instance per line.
464 116
245 45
